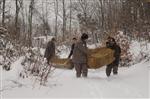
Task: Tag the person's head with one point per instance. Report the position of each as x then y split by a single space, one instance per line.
109 38
74 40
113 41
53 39
84 37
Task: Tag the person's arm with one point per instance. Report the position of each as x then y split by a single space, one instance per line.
119 50
107 44
50 51
45 53
71 52
46 50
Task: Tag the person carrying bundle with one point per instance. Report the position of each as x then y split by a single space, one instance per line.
111 43
48 55
50 50
79 58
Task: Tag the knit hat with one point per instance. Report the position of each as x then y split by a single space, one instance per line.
84 36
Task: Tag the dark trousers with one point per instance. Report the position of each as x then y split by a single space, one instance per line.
113 66
48 59
81 68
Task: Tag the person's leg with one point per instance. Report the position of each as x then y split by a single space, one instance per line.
115 70
84 70
108 69
115 67
48 59
78 69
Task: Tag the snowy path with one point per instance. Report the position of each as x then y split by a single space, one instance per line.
131 82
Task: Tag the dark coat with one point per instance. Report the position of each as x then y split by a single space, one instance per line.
115 47
117 51
80 52
71 52
50 50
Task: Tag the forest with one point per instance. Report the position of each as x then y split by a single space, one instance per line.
26 27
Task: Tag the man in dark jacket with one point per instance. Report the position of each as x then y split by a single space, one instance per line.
117 51
80 56
50 50
72 47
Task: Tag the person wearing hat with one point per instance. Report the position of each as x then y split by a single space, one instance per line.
79 58
50 50
117 52
108 42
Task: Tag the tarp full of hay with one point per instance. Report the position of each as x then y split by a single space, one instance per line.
97 58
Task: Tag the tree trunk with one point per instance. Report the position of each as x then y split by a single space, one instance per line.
31 7
56 17
3 14
64 19
102 15
16 20
70 16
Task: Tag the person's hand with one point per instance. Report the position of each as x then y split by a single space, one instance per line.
68 57
45 60
90 55
66 62
58 51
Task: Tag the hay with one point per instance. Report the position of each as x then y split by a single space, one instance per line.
97 58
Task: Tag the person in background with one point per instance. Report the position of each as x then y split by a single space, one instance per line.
79 58
74 40
50 50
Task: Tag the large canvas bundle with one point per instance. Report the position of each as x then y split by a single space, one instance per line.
100 57
62 63
97 58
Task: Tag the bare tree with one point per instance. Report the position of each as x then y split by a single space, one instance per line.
22 15
70 26
64 19
3 13
97 16
44 17
0 6
56 17
17 27
31 8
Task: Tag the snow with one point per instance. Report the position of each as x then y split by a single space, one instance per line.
63 51
120 33
138 48
131 82
44 38
14 72
3 29
93 46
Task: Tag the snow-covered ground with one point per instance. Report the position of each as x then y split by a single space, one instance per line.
131 82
